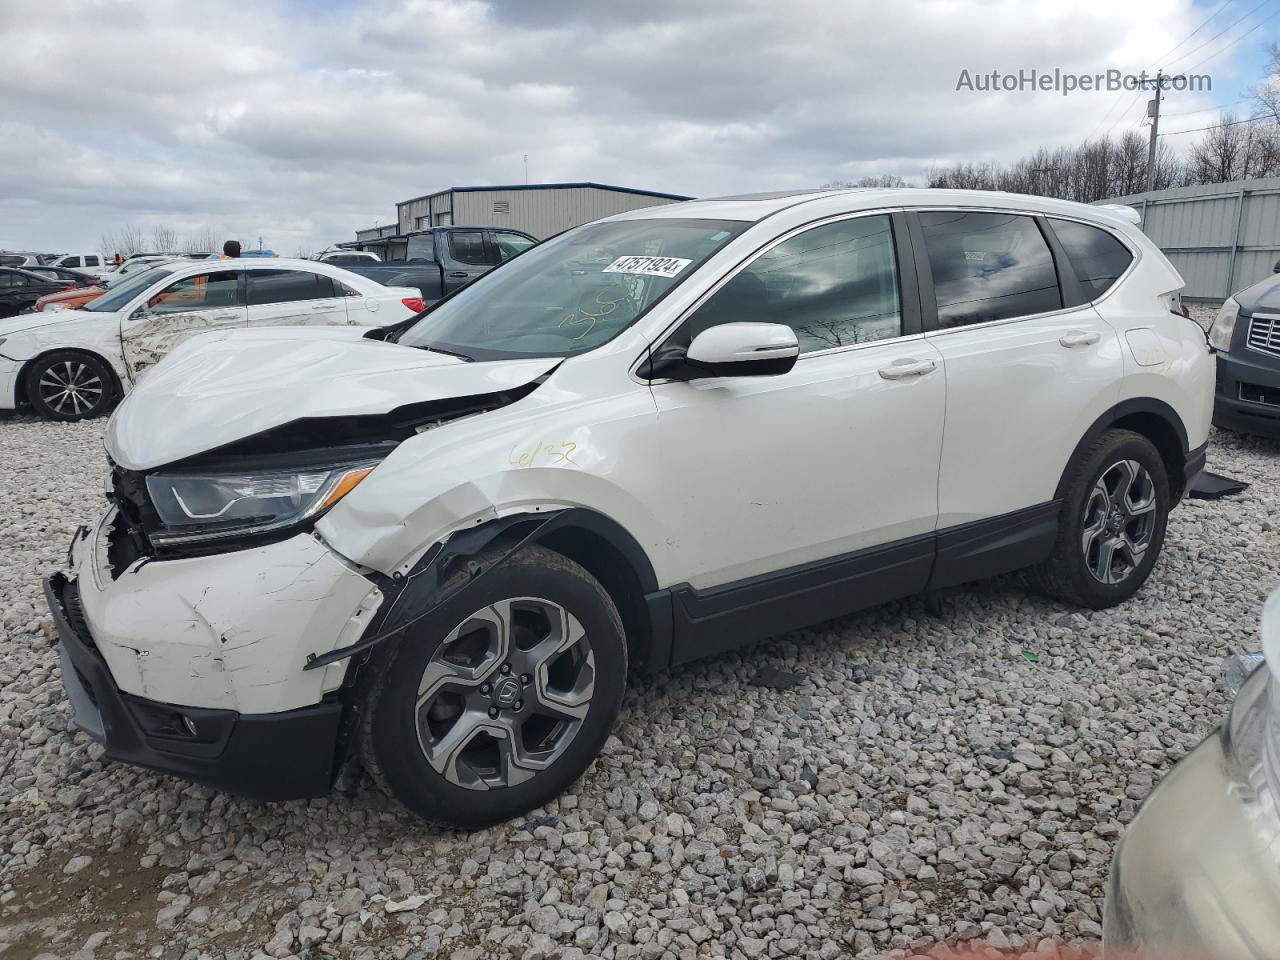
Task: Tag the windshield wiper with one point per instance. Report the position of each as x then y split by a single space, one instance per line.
447 353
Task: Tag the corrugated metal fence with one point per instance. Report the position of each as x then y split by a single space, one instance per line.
1222 237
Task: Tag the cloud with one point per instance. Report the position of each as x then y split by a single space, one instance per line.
301 122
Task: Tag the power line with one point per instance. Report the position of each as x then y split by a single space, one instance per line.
1215 126
1216 106
1236 41
1128 106
1218 9
1251 12
1222 6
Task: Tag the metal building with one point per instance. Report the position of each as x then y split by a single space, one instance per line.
539 209
376 233
1222 237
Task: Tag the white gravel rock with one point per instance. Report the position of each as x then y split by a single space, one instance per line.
918 780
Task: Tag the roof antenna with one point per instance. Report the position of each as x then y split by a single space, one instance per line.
526 169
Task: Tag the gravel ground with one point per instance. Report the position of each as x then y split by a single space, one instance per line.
927 775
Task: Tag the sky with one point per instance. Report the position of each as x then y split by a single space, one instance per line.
300 121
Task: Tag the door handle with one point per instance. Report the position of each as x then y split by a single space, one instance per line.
1079 338
226 316
324 306
901 369
459 275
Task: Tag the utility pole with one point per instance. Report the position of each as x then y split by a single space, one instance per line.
1153 111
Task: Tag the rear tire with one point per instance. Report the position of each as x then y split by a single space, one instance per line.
1112 524
68 385
498 701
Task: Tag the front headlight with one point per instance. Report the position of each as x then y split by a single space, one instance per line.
208 506
1224 325
1252 735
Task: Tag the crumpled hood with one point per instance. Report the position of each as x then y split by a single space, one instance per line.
45 318
224 386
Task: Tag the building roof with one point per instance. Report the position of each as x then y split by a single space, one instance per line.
548 186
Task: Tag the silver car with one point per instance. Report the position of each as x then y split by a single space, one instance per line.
1197 873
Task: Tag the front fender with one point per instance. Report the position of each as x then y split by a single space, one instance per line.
600 457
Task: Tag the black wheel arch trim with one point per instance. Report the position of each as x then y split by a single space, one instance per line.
483 548
1126 408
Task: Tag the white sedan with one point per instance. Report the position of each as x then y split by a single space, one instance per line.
75 364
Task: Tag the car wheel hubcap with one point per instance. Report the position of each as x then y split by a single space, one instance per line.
70 387
505 694
1119 519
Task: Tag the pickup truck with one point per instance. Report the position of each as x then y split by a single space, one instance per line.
440 260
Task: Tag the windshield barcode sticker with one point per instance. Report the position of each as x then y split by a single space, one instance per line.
648 266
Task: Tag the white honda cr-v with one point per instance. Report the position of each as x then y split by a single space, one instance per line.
441 546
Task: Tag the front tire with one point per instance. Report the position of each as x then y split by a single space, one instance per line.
498 701
68 385
1112 524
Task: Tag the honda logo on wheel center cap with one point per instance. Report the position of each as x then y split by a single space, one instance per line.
506 691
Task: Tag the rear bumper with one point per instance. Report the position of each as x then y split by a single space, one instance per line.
1259 376
277 756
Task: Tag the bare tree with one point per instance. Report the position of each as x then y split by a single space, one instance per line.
1220 155
164 239
1093 170
125 240
205 241
886 180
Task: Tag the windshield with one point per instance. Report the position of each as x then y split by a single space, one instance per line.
119 294
572 293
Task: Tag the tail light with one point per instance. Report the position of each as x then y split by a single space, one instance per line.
416 304
71 285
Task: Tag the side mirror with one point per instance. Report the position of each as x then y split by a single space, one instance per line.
1276 268
729 350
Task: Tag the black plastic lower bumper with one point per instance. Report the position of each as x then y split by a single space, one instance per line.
1247 396
278 756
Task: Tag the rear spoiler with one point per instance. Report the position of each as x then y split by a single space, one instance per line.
1126 213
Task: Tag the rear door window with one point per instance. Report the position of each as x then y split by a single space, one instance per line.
988 266
510 244
1096 256
469 247
70 262
287 286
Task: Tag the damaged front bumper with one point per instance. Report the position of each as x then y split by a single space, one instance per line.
194 666
9 370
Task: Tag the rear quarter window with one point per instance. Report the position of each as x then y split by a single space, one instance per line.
1097 257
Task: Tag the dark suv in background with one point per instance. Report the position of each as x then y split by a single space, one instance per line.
1246 338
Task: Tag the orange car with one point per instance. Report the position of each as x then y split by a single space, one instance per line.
71 299
77 298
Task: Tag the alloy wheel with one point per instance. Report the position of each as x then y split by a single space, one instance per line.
1119 520
505 694
70 387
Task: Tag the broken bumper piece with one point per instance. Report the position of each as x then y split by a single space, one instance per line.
278 756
